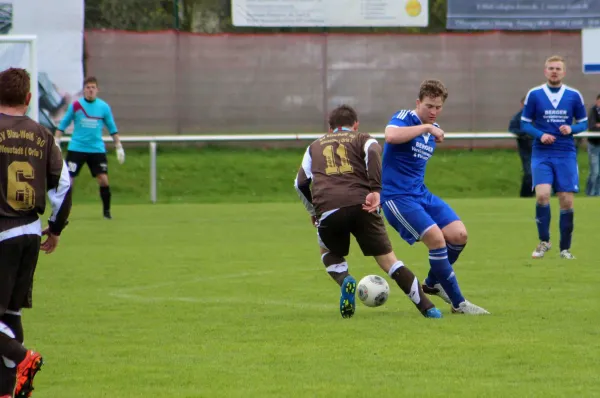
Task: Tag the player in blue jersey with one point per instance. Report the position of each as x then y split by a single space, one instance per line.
548 116
90 114
413 211
339 183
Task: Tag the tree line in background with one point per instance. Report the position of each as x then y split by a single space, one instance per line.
211 16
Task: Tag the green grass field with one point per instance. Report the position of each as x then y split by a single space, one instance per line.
242 175
221 300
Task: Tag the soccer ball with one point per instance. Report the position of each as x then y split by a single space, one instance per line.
373 290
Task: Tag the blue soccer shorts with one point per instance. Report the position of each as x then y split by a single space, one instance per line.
561 173
412 216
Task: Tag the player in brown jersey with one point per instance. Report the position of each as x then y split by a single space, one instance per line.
339 183
31 166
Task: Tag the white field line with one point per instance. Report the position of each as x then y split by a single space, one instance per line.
128 294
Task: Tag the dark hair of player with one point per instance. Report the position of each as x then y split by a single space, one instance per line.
14 87
90 79
433 89
342 116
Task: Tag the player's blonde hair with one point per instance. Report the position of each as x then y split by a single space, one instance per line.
556 58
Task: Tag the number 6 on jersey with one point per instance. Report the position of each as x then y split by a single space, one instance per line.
21 195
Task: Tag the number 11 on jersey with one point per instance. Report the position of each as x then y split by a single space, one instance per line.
332 167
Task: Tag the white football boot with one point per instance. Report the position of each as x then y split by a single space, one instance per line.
567 255
541 249
436 290
468 308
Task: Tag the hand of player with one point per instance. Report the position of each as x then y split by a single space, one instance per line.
437 132
547 139
49 245
315 221
372 202
120 154
565 129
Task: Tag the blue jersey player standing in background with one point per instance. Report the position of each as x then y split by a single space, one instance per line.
548 117
413 211
90 114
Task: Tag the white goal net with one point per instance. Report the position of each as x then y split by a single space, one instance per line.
21 52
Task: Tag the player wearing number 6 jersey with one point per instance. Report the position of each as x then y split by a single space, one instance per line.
31 165
413 211
339 183
548 117
90 115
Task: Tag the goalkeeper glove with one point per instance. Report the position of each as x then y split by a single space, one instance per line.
120 154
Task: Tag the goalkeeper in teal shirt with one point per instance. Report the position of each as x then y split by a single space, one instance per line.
90 114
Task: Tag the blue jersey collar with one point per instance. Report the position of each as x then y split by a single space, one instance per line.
342 129
554 89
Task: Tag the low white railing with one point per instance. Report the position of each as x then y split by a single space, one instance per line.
153 140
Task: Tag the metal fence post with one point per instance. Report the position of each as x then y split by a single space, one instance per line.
153 171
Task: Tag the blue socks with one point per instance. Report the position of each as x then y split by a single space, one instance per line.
566 228
453 253
542 218
443 272
431 279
